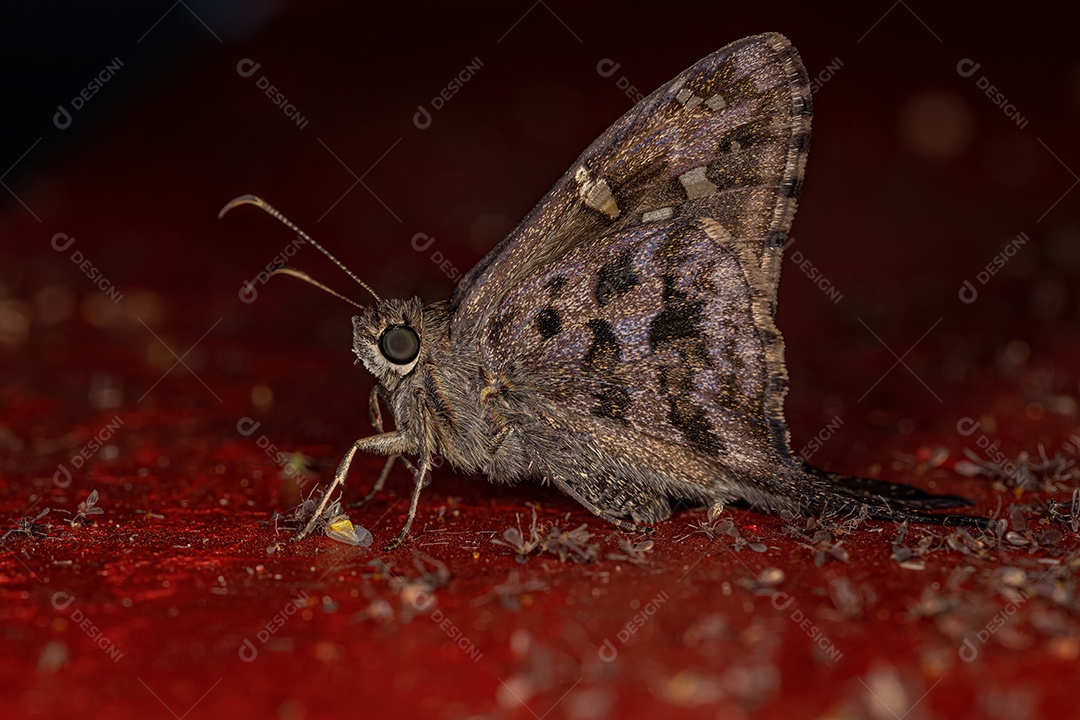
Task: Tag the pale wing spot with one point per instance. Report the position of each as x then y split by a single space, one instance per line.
716 102
688 99
716 231
696 184
596 194
659 214
599 197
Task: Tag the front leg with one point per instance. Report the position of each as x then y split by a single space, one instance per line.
392 443
375 414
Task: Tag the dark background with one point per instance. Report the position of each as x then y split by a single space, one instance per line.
916 180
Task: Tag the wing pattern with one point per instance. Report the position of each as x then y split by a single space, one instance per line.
673 221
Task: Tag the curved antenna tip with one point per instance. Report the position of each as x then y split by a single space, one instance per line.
262 204
301 275
242 200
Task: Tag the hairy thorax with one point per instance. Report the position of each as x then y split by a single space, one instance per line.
472 411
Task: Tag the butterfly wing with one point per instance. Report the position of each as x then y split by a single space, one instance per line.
726 140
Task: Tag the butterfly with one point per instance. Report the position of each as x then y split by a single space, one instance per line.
619 344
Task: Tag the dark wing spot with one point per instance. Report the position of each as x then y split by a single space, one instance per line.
555 286
747 135
630 181
677 384
615 278
803 106
548 323
742 90
498 328
612 402
706 82
603 355
680 318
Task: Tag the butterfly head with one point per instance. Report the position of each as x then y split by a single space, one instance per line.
389 339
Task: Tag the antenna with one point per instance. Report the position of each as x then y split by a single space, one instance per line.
301 275
260 203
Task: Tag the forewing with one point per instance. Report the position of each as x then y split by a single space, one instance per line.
718 153
726 139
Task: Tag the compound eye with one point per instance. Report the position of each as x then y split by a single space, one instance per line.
400 344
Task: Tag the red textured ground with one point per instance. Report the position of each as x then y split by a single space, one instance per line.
182 599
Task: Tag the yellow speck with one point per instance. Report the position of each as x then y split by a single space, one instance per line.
342 525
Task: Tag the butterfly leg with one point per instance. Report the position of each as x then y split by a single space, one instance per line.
425 468
597 510
392 443
375 413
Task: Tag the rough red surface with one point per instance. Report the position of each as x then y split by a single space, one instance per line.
182 599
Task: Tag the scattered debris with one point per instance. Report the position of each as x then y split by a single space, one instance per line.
512 592
514 538
86 508
846 597
1047 474
567 544
716 526
636 553
819 534
570 544
29 527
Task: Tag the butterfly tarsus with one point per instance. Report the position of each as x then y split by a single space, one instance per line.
425 468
